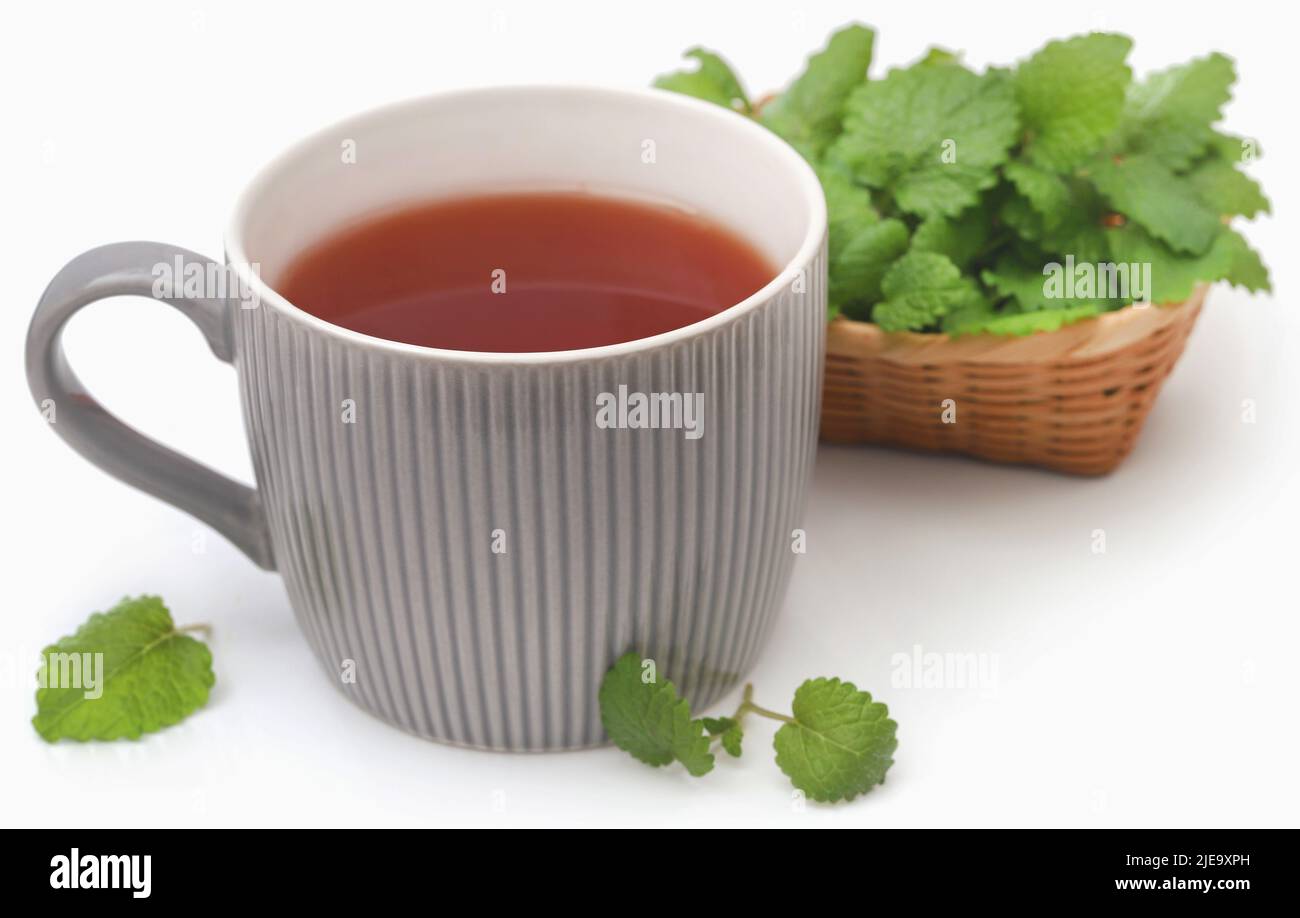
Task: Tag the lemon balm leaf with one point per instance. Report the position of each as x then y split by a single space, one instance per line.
920 289
731 741
1071 96
1168 115
848 206
931 136
1233 149
713 80
1023 282
1174 275
1165 204
716 726
647 720
1047 193
1227 190
960 239
728 728
839 743
808 114
124 673
859 267
1019 324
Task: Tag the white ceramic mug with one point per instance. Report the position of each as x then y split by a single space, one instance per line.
388 525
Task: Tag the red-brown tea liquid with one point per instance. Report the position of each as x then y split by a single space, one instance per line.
525 272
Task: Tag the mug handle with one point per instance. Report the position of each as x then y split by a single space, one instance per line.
127 269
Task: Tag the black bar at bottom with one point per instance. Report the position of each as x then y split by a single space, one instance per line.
1226 868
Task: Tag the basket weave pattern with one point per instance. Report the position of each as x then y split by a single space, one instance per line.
1073 400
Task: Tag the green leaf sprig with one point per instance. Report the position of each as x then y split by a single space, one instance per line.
950 191
836 744
124 673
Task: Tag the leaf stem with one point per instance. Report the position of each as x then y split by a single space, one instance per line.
747 705
202 628
773 715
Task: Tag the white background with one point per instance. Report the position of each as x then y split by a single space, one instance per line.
1154 684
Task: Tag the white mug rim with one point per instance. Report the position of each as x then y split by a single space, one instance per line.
264 294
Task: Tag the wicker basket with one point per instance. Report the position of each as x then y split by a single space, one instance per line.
1072 400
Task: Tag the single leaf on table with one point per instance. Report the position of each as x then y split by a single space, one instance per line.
713 80
1168 115
1071 96
1166 205
919 289
153 675
839 744
649 721
808 114
931 135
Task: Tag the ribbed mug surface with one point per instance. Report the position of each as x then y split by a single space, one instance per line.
468 546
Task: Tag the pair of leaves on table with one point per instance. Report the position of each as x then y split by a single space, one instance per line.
838 743
150 675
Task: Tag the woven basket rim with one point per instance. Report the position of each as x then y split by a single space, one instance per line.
1090 337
